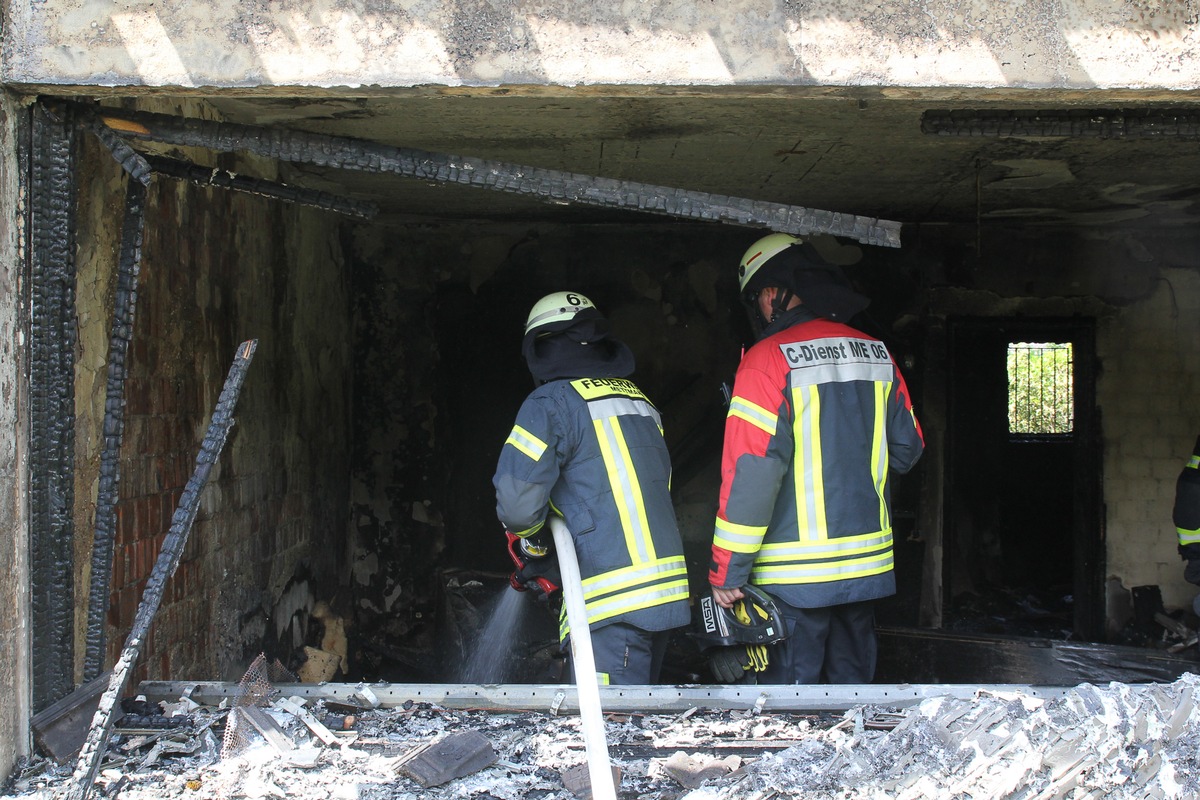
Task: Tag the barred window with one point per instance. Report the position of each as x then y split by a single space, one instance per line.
1041 382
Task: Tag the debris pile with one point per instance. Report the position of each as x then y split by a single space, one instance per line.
1116 741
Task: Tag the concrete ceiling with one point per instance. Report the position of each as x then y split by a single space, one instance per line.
853 151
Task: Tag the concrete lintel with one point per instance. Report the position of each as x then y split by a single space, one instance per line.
646 699
1033 44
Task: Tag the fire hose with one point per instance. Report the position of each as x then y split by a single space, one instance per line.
586 684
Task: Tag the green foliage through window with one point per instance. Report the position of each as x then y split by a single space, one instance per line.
1041 397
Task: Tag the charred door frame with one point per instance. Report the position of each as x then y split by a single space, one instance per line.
1088 534
48 155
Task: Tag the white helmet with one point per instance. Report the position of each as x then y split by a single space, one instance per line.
760 253
554 309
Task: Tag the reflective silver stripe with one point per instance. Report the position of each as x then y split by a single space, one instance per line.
1188 537
825 548
623 407
841 373
793 573
637 574
739 534
753 413
837 359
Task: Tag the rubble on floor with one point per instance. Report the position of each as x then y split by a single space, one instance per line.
1116 740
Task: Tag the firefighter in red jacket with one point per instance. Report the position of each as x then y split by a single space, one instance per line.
820 415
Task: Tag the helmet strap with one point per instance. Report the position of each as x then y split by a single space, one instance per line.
780 302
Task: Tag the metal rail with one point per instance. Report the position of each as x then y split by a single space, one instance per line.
645 699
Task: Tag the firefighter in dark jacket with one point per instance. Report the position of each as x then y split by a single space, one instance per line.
1186 515
820 415
587 445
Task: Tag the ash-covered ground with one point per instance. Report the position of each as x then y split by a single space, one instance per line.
1114 741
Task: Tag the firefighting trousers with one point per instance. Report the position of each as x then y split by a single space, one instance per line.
627 655
835 644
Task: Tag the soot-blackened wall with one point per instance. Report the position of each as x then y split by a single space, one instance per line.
217 268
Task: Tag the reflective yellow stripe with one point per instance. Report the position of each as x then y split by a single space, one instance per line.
1188 537
671 585
526 442
879 454
809 471
625 488
635 601
837 548
621 591
603 679
823 572
753 413
1194 462
621 578
529 531
646 551
738 538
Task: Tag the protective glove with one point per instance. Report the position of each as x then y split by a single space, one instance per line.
541 577
758 656
730 664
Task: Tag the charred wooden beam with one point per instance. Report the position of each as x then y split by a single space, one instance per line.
130 160
224 179
549 185
124 308
1105 123
51 254
164 568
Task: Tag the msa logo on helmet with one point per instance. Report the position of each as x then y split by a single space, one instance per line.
711 621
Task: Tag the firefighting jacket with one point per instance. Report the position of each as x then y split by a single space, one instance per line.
592 450
1186 512
819 416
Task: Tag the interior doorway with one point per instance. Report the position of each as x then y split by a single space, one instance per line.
1024 535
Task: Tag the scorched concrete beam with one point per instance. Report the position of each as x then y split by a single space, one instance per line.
387 43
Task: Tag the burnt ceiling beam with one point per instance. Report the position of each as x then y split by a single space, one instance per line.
1179 123
130 160
224 179
548 185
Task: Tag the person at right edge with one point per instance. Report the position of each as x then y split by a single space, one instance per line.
819 416
1186 516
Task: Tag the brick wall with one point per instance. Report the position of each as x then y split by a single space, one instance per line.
218 268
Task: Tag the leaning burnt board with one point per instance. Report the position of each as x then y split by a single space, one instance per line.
60 729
